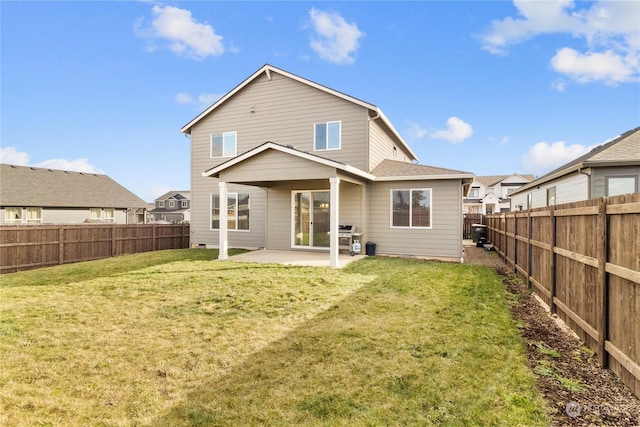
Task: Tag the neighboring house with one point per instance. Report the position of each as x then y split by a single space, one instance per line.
491 194
30 195
292 160
174 206
608 170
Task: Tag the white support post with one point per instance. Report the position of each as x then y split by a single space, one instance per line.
222 230
333 227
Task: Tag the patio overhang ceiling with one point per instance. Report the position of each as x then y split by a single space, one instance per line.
270 163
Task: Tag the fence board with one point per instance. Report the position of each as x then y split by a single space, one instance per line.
584 261
34 246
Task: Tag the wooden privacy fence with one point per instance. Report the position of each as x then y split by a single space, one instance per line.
469 220
583 260
34 246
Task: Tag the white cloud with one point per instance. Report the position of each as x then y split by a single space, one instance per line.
544 157
584 68
202 101
10 155
335 39
184 35
457 131
416 130
609 30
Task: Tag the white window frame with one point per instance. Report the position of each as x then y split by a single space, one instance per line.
172 203
161 204
236 210
109 214
184 204
411 226
477 196
551 196
326 142
38 215
9 218
93 212
224 153
610 177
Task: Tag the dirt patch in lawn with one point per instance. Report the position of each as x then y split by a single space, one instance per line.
578 392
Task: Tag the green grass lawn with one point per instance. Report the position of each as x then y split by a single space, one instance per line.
175 338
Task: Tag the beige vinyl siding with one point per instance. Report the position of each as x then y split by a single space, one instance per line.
381 143
443 240
66 216
599 175
273 165
283 111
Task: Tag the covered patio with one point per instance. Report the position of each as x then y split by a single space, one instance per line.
300 258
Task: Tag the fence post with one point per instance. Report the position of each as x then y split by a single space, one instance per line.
61 245
113 239
603 284
154 237
529 256
552 285
515 243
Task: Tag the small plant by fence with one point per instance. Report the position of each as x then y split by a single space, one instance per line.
583 260
35 246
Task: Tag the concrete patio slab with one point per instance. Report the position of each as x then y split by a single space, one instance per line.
302 258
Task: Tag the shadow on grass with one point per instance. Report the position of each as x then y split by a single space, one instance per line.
381 357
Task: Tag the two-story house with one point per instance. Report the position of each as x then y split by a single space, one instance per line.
33 195
492 194
173 207
610 169
280 162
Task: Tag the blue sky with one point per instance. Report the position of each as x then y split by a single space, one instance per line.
486 87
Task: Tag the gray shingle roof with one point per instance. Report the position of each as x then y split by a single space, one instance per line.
492 180
29 186
389 168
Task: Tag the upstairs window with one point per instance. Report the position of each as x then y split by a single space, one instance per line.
411 208
13 215
327 136
223 144
161 204
184 204
172 203
474 193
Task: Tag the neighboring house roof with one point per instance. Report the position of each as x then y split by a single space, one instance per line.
40 187
493 180
178 195
268 69
622 151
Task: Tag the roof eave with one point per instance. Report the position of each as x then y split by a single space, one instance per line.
467 178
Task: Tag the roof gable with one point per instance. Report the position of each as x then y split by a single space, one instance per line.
267 70
41 187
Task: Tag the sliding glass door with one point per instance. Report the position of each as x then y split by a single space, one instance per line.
311 219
